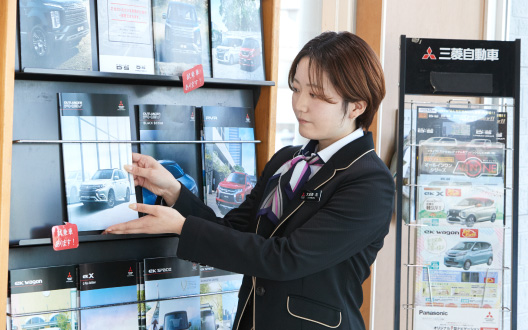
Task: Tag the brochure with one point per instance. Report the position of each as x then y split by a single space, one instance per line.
125 36
462 267
442 124
108 283
166 280
181 36
439 318
41 290
98 190
158 122
55 34
218 310
446 200
237 40
230 168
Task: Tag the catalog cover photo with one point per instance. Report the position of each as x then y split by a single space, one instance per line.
166 280
41 290
55 34
230 168
449 125
181 36
109 283
125 36
458 200
98 190
159 122
237 39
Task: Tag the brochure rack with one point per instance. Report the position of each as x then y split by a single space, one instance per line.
436 70
37 196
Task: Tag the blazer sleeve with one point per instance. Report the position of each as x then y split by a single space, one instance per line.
357 215
243 217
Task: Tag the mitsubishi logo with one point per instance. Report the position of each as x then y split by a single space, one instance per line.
429 54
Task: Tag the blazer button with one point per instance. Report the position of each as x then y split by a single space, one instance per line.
260 291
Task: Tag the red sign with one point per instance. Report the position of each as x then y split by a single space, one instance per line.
65 237
469 233
429 54
193 78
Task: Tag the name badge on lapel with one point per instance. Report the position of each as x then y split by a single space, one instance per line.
311 196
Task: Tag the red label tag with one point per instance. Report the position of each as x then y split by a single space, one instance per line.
193 78
65 237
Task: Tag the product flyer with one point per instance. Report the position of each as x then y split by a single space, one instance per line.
237 40
230 168
181 36
109 283
98 190
56 35
125 36
159 122
440 318
42 290
167 281
462 159
445 125
446 200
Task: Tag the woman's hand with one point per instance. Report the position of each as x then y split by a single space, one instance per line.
160 220
150 174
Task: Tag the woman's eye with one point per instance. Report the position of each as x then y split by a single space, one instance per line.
295 90
312 95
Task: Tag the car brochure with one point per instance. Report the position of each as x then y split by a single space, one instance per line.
458 200
108 283
218 310
125 36
160 122
167 283
181 36
56 35
444 124
459 267
237 40
41 290
230 168
98 190
436 318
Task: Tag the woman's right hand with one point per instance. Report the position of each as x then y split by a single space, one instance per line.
150 174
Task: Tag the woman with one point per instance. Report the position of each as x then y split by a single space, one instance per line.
310 229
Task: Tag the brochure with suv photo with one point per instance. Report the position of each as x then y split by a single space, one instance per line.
98 190
41 290
56 34
161 122
181 36
237 52
229 167
108 283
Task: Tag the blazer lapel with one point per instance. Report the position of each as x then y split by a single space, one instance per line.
339 161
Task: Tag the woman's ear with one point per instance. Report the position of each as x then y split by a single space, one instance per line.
356 109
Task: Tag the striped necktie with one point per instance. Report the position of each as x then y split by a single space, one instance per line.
287 180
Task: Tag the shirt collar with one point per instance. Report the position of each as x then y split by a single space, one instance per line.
329 151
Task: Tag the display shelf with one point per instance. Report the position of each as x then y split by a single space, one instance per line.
87 238
129 141
122 78
120 304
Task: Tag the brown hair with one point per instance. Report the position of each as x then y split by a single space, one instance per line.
351 66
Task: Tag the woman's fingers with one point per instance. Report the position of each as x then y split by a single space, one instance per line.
137 226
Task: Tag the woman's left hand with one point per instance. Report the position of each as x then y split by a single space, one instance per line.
159 220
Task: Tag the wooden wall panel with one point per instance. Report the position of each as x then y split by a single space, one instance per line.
7 70
265 112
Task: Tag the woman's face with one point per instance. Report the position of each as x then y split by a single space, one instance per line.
318 119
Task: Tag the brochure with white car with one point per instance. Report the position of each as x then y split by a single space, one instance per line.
98 190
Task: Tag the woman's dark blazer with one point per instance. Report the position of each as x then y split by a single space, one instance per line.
306 272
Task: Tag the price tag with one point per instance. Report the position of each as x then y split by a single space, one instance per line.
65 237
193 78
